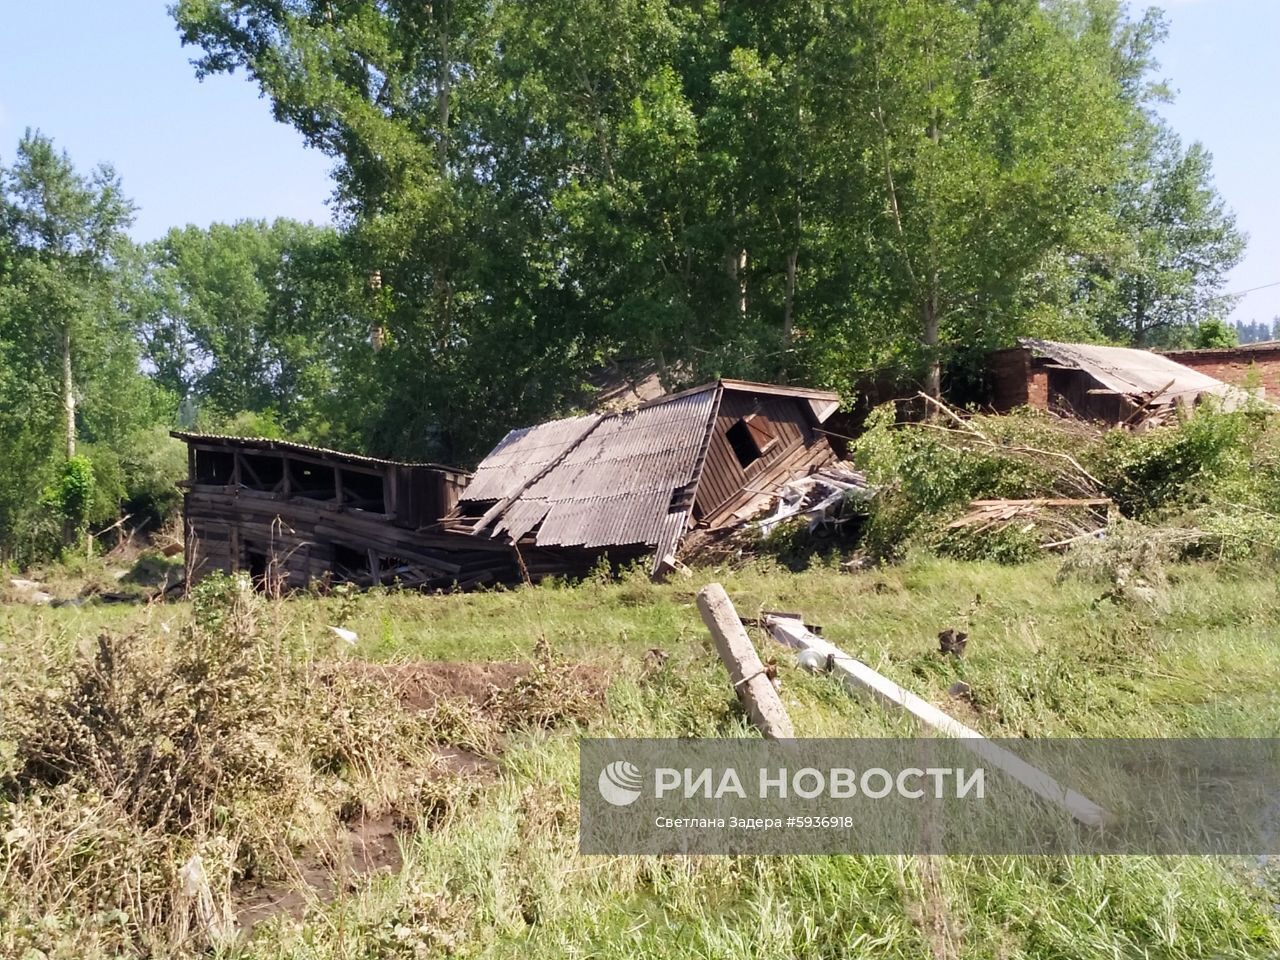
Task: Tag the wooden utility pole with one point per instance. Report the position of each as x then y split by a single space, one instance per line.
746 672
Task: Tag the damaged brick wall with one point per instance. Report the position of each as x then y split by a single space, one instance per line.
1247 365
1016 379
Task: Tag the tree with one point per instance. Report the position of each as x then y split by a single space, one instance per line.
762 190
1173 245
70 382
252 318
66 228
1213 333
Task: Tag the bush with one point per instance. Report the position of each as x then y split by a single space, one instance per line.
1179 466
1213 476
71 496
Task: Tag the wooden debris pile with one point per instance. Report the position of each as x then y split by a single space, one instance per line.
1066 520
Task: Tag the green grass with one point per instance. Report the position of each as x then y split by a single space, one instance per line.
1047 657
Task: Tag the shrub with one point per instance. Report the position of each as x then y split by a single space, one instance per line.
1213 476
148 750
71 496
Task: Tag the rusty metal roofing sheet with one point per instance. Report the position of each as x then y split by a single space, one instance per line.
1137 373
615 486
304 449
522 455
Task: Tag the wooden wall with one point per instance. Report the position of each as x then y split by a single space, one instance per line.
725 484
298 518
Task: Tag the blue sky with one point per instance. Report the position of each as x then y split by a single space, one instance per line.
108 80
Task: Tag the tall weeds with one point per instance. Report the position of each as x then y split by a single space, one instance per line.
141 782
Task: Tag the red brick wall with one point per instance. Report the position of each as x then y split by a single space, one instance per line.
1038 389
1014 379
1243 366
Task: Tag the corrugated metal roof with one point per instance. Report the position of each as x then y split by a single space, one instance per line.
1135 373
610 480
291 446
615 486
523 454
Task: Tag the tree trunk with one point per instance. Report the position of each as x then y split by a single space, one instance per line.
788 308
735 265
740 274
443 281
929 339
444 87
1140 317
68 391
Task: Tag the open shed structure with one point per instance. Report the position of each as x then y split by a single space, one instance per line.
1116 385
289 513
632 484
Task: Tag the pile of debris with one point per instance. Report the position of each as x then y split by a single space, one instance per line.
820 498
1068 520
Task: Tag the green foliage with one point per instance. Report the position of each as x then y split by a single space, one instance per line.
1008 544
491 865
538 189
1214 333
72 495
252 320
1169 250
1212 479
928 475
1185 466
65 343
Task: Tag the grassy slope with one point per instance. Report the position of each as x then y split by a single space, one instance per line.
502 878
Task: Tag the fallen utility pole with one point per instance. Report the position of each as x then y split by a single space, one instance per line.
746 671
793 633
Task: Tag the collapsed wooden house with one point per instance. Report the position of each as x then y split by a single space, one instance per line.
289 514
1114 385
549 499
631 485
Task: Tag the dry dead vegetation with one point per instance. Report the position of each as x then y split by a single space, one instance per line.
163 789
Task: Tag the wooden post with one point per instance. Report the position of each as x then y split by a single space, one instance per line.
743 663
793 633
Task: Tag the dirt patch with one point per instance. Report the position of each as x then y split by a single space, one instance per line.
369 845
422 685
488 694
464 763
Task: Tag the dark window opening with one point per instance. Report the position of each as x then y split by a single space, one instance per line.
349 563
214 466
259 564
363 491
475 508
311 480
744 443
259 472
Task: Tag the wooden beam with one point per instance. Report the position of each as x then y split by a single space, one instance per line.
747 673
857 674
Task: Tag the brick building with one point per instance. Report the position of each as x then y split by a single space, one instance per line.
1114 385
1249 365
